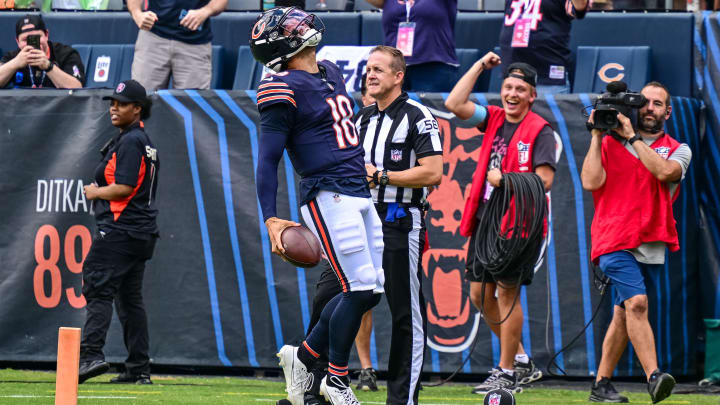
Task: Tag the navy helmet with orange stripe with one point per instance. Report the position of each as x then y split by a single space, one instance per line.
281 33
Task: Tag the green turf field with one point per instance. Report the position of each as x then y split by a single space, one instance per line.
32 387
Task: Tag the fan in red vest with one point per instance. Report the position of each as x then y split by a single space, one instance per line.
634 176
516 140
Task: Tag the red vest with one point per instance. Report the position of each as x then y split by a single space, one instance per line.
632 207
517 159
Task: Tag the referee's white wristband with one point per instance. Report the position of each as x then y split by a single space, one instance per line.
478 116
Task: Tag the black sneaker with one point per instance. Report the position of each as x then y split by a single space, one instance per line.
127 378
660 386
90 369
497 379
526 372
368 380
603 391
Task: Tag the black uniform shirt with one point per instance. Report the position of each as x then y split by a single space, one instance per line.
131 159
67 59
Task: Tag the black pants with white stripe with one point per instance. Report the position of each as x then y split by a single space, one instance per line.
404 242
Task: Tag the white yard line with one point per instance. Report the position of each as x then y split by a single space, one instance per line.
53 396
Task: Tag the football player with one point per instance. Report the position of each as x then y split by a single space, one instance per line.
305 109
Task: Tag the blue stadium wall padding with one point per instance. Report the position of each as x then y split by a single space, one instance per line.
669 35
596 66
707 148
215 294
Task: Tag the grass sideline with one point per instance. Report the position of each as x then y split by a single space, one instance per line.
37 387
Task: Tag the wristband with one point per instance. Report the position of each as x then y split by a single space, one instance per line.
634 138
375 177
52 65
384 179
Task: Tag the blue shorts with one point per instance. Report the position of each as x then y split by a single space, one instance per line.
627 275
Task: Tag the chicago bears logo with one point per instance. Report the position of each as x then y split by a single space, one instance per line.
453 321
494 399
603 73
523 152
120 88
663 151
258 29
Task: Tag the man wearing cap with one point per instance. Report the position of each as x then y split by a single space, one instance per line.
40 63
516 140
123 196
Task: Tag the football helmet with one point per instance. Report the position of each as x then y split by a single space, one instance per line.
281 33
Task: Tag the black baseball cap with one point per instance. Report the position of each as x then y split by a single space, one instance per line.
35 20
522 71
500 396
129 91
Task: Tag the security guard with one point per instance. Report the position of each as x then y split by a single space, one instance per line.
403 156
124 204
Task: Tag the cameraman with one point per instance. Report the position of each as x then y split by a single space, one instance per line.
634 178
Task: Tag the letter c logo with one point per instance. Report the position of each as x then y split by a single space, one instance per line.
602 73
258 29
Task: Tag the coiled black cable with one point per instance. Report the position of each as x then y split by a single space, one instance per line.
509 254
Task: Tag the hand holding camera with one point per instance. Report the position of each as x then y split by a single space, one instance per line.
617 100
624 128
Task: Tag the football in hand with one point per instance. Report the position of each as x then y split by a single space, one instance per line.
302 248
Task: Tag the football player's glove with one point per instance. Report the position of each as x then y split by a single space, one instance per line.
281 33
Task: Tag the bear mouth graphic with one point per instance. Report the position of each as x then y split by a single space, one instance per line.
451 327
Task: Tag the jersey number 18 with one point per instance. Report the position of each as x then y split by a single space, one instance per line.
342 112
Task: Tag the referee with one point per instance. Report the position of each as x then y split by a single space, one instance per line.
403 155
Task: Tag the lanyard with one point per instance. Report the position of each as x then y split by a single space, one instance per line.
408 6
32 78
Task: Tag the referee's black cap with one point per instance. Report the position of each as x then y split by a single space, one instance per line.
522 71
500 396
129 91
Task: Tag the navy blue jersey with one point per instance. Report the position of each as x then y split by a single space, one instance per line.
130 159
310 115
537 32
170 12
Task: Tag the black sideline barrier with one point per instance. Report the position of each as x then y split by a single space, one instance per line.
215 294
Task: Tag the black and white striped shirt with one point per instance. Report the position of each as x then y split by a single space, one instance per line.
394 139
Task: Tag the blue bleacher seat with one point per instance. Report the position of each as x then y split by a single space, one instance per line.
243 5
466 58
363 5
118 69
496 75
248 72
469 5
218 64
84 51
598 65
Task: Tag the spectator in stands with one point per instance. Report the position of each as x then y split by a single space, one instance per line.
538 33
174 40
425 32
39 62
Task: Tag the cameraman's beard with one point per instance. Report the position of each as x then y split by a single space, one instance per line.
653 129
